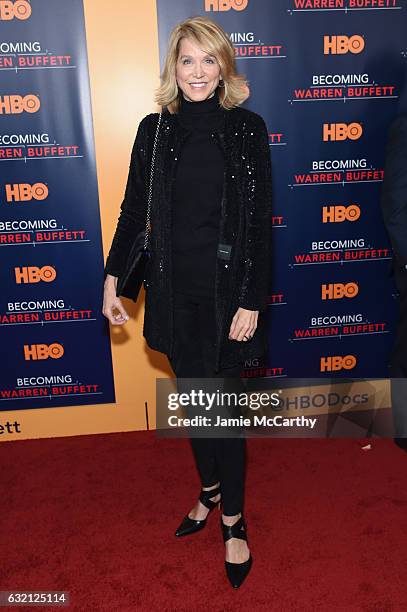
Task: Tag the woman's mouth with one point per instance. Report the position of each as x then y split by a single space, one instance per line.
197 85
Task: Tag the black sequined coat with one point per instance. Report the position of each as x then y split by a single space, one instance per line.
244 251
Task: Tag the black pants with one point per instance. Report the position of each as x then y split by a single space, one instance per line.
217 459
398 363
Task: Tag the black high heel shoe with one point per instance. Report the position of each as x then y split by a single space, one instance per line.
236 572
189 525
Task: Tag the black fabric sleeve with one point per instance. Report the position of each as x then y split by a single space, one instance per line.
132 218
254 290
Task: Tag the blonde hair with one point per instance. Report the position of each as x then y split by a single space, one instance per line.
212 39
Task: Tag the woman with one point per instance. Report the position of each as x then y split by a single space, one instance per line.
206 281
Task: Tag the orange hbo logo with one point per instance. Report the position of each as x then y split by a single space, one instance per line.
341 131
33 352
339 214
338 45
21 9
337 362
23 192
33 274
225 5
14 105
337 291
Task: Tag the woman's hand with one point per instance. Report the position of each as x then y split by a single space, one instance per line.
111 301
244 323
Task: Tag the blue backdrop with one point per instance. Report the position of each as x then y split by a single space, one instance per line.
328 82
54 341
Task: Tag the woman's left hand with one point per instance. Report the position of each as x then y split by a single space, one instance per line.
244 323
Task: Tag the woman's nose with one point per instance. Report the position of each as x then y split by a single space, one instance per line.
198 72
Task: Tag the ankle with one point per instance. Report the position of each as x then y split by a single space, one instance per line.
215 486
230 520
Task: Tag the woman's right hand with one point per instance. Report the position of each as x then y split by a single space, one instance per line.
111 302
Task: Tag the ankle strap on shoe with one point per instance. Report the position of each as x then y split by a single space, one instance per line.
238 530
205 497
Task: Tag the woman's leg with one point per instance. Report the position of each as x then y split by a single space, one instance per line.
230 451
187 362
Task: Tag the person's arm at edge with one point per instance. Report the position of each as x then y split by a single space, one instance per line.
393 197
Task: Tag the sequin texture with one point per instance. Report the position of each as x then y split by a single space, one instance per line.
245 226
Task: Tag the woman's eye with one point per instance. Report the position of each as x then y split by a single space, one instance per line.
210 60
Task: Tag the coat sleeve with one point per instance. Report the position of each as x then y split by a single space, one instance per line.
254 289
393 197
133 209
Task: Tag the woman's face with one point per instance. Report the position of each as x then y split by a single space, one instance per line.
197 73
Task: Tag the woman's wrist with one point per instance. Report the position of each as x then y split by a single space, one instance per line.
111 280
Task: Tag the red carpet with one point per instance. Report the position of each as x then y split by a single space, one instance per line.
95 515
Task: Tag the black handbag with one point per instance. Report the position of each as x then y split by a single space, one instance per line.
130 280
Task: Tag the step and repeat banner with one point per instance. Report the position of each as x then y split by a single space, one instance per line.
327 76
54 341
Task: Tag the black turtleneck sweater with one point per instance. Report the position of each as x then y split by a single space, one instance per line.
196 207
